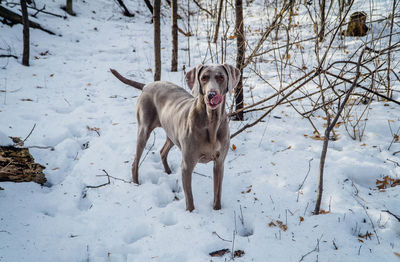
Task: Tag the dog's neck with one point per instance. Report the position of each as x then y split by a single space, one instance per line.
214 117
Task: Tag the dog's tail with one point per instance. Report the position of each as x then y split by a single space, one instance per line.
126 80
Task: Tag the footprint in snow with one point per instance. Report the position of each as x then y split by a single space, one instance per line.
245 229
163 196
138 232
168 219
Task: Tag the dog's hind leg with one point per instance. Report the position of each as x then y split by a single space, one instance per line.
142 137
164 154
147 121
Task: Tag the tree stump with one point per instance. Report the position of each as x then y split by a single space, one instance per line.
357 26
18 165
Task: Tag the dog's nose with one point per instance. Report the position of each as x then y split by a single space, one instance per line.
211 95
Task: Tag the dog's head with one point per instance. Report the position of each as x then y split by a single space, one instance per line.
212 82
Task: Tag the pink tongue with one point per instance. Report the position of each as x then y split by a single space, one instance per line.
216 100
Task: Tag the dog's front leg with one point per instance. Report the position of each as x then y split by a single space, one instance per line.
218 176
187 169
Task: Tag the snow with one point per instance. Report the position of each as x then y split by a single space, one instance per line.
86 119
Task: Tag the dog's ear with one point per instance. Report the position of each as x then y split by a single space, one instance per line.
233 76
192 79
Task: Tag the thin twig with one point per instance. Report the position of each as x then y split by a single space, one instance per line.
42 147
279 102
304 180
215 233
108 181
200 174
202 8
366 212
316 249
23 141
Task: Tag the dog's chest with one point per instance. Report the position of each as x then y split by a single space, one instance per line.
210 151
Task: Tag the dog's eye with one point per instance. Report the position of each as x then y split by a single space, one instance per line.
219 78
205 78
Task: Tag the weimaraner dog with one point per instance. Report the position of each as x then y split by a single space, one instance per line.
197 123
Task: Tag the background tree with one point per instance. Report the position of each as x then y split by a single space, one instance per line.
322 5
174 29
25 32
68 7
218 21
157 40
240 41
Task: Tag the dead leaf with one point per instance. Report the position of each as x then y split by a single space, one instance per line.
95 129
238 253
397 254
281 225
387 182
233 147
367 235
56 168
231 37
26 99
219 253
272 224
317 137
301 219
16 140
324 212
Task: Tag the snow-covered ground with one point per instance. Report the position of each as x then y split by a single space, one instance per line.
270 181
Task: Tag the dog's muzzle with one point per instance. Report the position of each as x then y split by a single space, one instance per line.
214 98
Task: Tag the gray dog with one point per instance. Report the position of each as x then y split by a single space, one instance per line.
197 123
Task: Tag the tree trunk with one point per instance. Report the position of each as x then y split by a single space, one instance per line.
68 7
240 41
321 34
218 21
25 32
157 40
389 92
174 29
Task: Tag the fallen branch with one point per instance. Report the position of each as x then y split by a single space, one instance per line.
17 19
126 11
42 10
390 213
13 56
